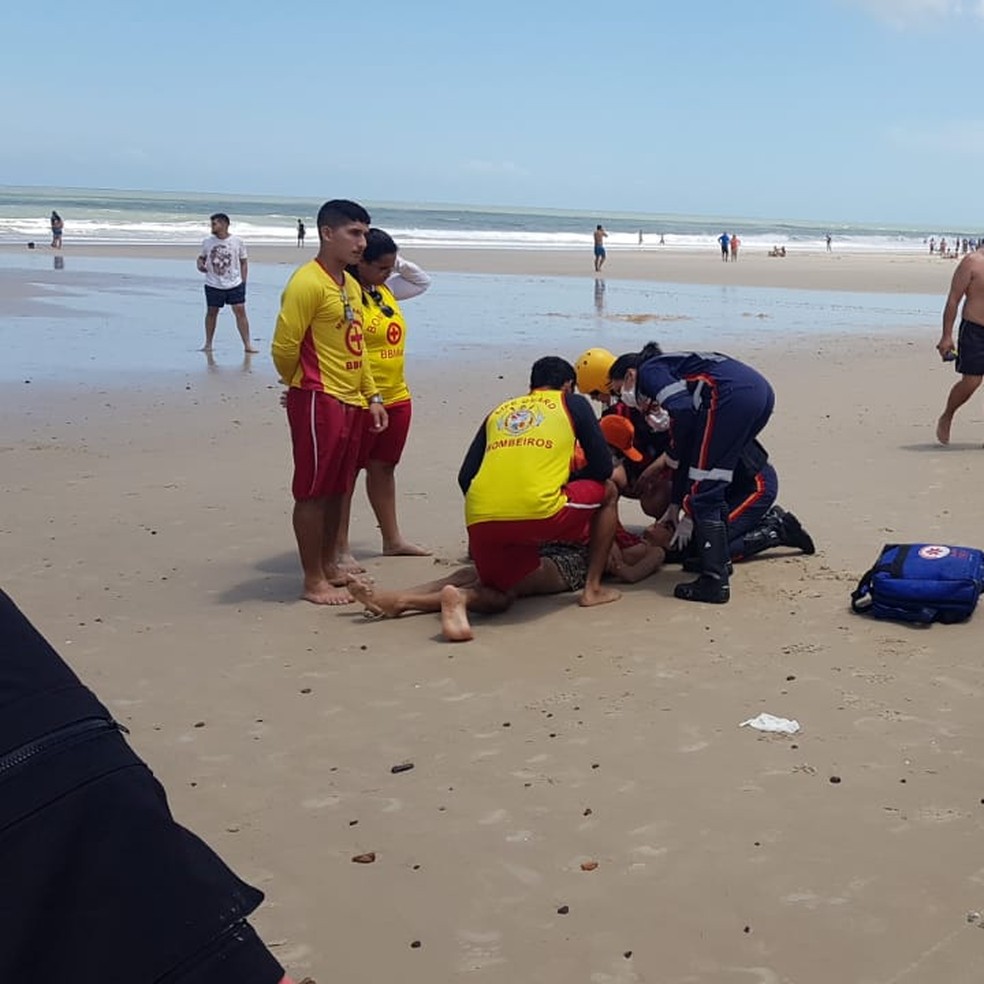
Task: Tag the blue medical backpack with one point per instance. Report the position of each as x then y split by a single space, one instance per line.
921 582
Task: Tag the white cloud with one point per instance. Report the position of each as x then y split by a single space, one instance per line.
907 13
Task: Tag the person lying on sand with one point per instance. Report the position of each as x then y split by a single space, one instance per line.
563 567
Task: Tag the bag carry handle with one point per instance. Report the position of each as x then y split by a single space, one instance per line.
863 590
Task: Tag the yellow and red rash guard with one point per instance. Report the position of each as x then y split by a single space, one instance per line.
529 443
386 342
315 346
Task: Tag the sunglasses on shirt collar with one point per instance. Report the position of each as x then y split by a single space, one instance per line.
373 292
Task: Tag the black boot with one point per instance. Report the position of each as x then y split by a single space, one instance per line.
793 534
767 534
712 585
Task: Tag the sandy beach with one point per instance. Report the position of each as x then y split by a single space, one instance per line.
146 531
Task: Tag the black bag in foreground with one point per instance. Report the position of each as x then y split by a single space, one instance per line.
100 884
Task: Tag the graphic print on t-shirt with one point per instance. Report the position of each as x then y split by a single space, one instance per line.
220 259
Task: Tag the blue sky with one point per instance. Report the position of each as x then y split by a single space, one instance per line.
835 110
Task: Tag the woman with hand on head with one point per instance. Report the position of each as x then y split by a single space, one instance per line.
386 279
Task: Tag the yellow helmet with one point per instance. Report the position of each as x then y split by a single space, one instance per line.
592 370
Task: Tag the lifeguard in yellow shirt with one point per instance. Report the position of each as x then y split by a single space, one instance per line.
386 279
520 494
318 350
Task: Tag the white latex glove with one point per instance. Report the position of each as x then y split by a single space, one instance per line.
684 531
671 517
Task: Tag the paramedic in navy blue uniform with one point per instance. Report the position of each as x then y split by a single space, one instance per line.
716 405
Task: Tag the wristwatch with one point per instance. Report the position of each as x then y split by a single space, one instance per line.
376 399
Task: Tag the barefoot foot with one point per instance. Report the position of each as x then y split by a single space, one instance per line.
454 615
401 548
382 603
325 593
344 567
598 596
249 350
943 429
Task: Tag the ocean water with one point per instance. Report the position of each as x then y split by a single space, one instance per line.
127 321
130 217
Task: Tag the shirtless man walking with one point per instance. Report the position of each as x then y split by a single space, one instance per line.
599 247
967 286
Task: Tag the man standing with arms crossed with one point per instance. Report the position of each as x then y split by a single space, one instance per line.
967 286
318 351
223 261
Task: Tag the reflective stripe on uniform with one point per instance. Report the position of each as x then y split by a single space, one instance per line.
667 391
711 475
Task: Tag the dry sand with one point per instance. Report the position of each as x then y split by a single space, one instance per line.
146 532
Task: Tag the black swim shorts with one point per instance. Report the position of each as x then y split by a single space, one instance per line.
571 561
216 297
970 349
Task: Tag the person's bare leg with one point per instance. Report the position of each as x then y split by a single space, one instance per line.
457 602
342 560
329 539
602 536
310 517
419 598
381 489
211 317
961 392
242 323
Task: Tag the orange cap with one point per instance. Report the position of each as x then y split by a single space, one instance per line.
620 433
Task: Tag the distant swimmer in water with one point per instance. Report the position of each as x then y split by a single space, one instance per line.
599 247
967 355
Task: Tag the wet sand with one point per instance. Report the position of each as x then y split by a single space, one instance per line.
146 532
848 271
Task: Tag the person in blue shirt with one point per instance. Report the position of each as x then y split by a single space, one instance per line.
725 240
716 407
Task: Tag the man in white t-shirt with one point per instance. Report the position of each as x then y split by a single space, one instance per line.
223 261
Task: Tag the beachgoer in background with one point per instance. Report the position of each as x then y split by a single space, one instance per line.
829 241
735 243
967 286
942 247
599 247
223 260
640 237
385 278
662 239
932 245
330 388
725 240
109 887
57 227
519 494
301 233
716 407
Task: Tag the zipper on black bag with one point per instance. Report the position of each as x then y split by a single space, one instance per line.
62 737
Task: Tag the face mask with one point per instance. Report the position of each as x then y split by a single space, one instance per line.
628 397
658 420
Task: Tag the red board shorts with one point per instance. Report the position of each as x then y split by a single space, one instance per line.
505 551
388 446
326 435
